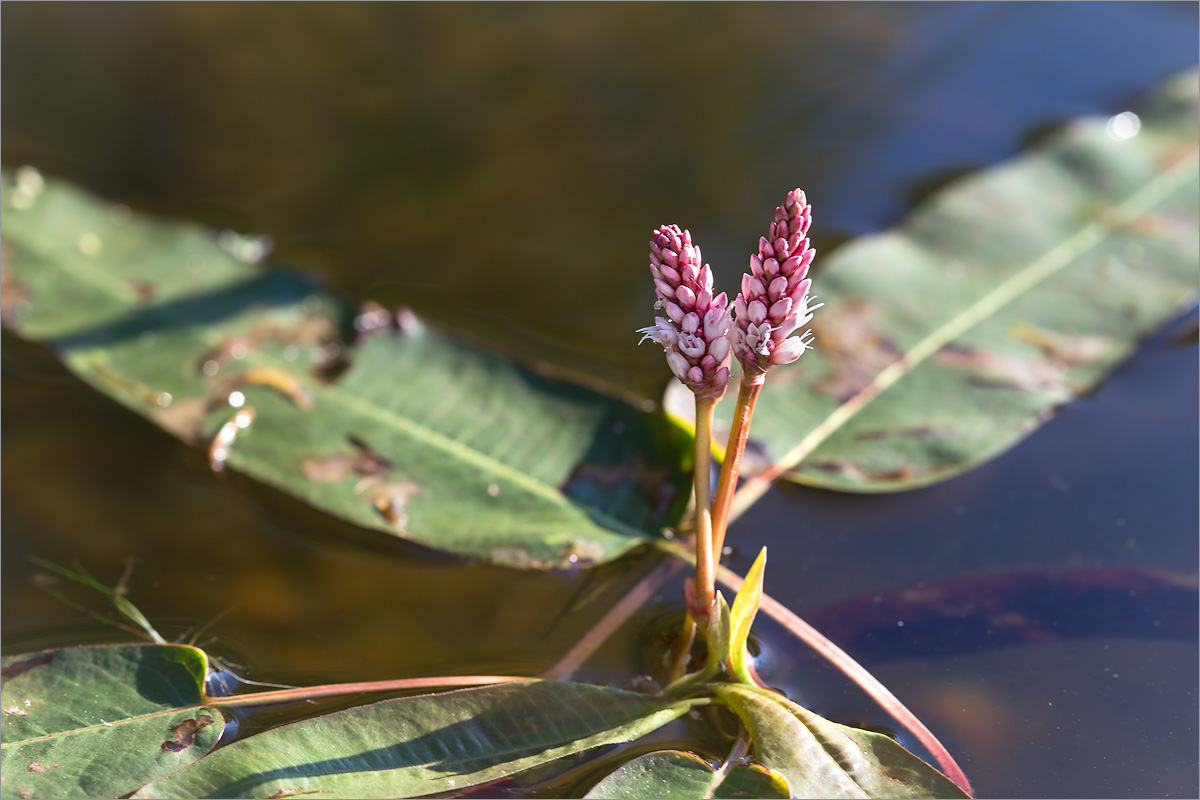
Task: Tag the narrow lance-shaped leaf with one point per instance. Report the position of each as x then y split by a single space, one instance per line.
820 758
676 774
372 416
102 721
741 618
946 340
414 746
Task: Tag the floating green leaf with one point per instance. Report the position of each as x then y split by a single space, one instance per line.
946 340
414 746
820 758
405 431
675 774
102 721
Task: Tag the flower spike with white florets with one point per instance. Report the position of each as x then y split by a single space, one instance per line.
695 331
774 300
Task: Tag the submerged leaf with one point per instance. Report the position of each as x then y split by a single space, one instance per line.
820 758
676 774
102 721
414 746
945 341
406 431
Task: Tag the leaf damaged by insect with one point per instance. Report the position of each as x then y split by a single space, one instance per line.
19 668
38 767
185 733
315 331
993 368
362 463
856 348
1070 349
184 418
391 499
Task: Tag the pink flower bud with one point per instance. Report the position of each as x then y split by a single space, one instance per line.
719 349
757 311
756 266
686 297
679 365
774 300
695 332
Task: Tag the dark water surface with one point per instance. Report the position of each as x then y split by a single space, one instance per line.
499 168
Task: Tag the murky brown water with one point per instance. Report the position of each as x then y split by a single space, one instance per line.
498 168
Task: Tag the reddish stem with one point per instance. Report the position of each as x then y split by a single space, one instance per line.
738 436
336 689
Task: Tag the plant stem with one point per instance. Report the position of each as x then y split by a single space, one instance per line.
336 689
681 650
704 585
738 436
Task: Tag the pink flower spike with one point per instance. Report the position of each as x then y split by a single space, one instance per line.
695 333
774 300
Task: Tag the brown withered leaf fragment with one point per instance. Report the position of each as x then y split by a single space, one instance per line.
856 349
991 368
915 432
851 470
145 291
185 733
366 463
228 349
390 499
1069 348
37 767
183 418
18 668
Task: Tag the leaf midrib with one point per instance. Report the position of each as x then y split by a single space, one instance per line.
103 726
1137 204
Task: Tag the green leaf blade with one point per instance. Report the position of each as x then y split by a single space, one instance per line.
676 774
408 432
948 339
102 721
421 745
820 758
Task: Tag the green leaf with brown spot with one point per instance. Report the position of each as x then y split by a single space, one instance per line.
402 429
102 721
948 339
